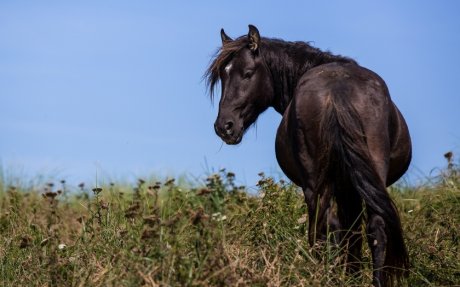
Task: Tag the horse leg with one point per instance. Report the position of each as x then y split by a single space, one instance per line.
349 208
377 241
317 217
333 226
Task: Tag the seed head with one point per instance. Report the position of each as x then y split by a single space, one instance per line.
50 194
97 190
170 181
203 191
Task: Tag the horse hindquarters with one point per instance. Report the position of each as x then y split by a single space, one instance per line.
346 168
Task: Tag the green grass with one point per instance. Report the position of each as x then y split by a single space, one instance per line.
214 234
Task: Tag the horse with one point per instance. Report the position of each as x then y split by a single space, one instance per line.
341 138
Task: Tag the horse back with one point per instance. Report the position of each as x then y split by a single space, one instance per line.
382 125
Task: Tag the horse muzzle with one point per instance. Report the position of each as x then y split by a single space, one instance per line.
228 131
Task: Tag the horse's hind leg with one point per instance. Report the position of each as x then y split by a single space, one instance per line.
315 217
349 209
318 207
333 226
377 241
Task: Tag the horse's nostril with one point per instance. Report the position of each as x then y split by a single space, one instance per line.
228 125
229 128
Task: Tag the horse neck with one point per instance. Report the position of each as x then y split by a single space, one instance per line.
287 62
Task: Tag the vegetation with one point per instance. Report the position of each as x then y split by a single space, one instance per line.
213 234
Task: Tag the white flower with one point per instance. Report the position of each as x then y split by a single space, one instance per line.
62 246
218 216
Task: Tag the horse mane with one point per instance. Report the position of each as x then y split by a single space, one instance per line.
221 58
294 57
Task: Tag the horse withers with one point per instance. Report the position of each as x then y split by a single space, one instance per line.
341 137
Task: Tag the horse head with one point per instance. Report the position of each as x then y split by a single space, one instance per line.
245 84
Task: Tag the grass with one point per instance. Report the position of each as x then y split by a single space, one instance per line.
213 234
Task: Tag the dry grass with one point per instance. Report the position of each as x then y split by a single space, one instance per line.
162 234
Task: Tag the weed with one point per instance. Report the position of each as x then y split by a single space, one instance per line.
214 234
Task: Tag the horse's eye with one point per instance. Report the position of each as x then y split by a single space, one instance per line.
248 74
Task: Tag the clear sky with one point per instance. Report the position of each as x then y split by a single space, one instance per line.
116 86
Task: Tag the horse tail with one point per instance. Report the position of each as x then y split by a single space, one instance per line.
346 165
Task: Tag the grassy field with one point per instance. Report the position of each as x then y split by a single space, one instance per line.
210 234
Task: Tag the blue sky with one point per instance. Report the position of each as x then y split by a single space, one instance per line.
116 86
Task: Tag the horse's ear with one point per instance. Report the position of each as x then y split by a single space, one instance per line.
254 38
225 38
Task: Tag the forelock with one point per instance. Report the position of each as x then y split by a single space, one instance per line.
220 60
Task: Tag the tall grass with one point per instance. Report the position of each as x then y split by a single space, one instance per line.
214 234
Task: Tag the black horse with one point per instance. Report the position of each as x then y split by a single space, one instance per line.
341 137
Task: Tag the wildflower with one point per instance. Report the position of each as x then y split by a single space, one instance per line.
198 216
218 216
203 191
302 219
170 181
133 210
62 246
97 190
449 155
104 205
50 194
26 241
